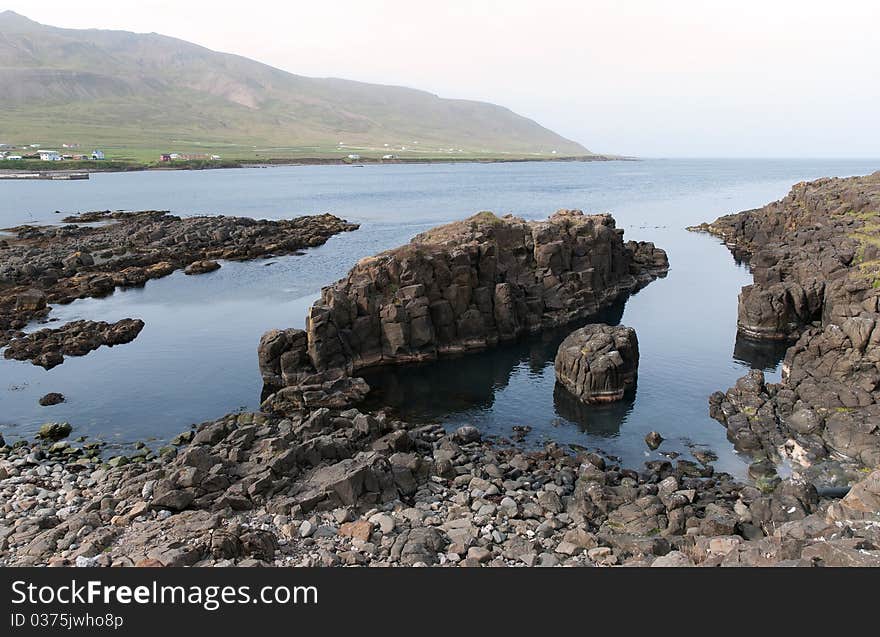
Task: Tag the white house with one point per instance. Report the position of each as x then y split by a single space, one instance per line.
389 156
13 157
354 157
50 155
98 154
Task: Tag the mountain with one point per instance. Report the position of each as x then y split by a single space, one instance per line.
149 91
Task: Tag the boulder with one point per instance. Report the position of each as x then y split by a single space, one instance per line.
598 363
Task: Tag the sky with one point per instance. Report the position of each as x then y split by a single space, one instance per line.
674 78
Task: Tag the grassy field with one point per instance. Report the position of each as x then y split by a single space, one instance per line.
120 158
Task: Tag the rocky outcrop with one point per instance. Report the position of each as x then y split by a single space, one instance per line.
48 347
57 264
815 258
598 363
458 288
810 252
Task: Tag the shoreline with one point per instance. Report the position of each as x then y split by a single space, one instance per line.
85 168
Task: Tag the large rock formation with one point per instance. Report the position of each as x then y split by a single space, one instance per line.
597 363
815 257
457 288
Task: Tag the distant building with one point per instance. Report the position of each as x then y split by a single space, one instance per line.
98 154
389 156
50 155
13 157
354 157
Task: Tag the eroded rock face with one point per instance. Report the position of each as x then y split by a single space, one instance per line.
48 347
816 268
597 363
457 288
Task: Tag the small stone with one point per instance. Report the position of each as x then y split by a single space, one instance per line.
672 559
653 439
479 553
599 553
306 529
54 430
52 398
568 548
384 521
201 267
467 433
359 530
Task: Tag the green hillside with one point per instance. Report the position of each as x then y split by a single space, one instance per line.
141 94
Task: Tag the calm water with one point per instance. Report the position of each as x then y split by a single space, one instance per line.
196 357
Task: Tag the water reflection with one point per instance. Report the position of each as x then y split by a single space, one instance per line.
763 355
449 388
601 420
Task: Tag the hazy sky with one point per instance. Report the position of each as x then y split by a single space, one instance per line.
668 78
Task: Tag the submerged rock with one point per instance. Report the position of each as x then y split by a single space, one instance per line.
597 363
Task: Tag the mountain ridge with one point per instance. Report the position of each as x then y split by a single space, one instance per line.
157 90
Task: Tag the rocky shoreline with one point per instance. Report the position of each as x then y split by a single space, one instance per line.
41 265
311 481
815 259
339 488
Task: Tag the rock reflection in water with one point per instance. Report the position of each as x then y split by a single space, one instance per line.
469 386
601 419
763 355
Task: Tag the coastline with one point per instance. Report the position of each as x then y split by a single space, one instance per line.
47 168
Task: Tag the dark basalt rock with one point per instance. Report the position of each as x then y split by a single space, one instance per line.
598 363
459 288
52 398
816 267
48 347
58 264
